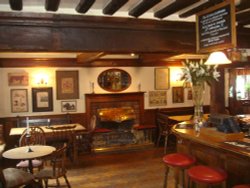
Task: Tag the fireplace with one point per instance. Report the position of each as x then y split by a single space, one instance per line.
119 112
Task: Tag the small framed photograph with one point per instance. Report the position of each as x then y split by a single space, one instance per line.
67 86
42 99
68 106
18 79
178 94
161 78
19 100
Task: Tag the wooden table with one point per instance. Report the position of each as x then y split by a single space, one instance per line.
29 153
216 151
50 135
19 131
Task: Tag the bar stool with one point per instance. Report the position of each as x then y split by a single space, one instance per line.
242 186
178 161
206 175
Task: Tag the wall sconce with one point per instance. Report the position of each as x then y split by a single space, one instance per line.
41 79
217 58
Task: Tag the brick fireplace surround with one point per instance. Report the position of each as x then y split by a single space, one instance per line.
125 139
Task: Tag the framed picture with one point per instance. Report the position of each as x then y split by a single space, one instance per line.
157 98
161 78
42 99
67 86
178 94
18 79
19 100
68 106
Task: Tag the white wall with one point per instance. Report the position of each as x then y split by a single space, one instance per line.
142 75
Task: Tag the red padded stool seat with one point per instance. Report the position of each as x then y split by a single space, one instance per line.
242 186
207 175
179 161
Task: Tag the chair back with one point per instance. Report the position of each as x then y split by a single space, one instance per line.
36 136
162 122
58 161
92 125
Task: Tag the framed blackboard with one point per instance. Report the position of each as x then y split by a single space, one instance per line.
215 28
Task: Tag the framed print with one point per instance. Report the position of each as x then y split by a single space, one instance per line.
157 98
19 100
178 94
68 106
67 86
18 79
42 99
161 78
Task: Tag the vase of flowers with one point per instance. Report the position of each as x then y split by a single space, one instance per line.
197 73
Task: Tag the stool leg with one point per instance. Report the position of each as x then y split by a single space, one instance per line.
166 177
176 177
166 144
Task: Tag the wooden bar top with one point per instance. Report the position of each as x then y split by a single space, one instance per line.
209 139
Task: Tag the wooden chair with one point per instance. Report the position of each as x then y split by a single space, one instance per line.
14 178
56 170
36 136
164 125
65 135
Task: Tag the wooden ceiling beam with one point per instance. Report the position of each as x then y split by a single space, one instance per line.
16 4
173 7
199 8
84 6
52 5
89 57
113 6
142 7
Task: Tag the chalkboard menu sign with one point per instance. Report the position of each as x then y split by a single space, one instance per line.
215 28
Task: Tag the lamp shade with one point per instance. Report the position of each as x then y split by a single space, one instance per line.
217 58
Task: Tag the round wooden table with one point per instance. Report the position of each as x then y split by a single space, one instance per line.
29 153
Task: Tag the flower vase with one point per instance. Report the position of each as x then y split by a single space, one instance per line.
198 99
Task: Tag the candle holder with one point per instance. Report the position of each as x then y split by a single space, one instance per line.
28 137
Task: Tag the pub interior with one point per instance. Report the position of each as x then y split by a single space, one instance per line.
100 78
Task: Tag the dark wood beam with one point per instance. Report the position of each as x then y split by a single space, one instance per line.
173 7
243 18
244 4
142 7
16 4
113 6
89 57
52 5
84 5
199 8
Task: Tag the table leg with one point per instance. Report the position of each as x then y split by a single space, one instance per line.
30 166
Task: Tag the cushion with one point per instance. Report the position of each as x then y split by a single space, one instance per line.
25 164
16 177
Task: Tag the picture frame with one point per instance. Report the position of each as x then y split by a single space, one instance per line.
42 99
161 78
18 79
19 100
178 94
69 106
157 98
67 85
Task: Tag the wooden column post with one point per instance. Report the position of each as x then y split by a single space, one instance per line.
217 94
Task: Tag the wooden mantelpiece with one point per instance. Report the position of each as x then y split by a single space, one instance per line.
109 100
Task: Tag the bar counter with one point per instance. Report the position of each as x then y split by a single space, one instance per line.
216 149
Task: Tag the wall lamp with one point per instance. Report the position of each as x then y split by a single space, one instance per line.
217 58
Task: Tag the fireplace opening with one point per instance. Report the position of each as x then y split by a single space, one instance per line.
120 113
